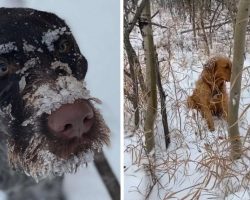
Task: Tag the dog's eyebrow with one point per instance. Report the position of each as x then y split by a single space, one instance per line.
8 47
53 35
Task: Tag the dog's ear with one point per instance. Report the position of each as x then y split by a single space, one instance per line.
210 64
209 69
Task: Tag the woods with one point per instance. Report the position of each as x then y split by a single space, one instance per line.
186 34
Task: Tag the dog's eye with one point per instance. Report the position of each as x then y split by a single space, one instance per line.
4 68
64 46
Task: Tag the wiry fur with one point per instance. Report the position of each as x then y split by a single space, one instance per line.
209 96
47 157
45 69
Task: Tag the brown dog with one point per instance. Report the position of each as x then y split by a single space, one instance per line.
210 97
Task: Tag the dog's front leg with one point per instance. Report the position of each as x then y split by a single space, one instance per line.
206 113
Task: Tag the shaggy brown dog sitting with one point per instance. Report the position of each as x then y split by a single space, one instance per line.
210 96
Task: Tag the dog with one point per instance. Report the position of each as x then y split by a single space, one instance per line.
49 122
210 96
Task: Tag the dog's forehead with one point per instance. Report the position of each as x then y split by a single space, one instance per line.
223 62
20 27
30 38
29 17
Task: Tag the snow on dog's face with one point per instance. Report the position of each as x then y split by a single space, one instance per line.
46 112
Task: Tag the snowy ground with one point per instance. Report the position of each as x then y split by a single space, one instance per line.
95 25
196 165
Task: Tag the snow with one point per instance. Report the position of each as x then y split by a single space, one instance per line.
241 195
48 164
99 43
22 84
29 64
28 47
54 166
47 98
61 65
234 102
7 111
85 185
2 196
51 36
8 47
196 164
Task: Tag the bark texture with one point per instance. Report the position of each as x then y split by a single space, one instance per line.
235 90
148 44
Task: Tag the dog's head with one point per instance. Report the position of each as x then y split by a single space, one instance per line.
46 111
220 67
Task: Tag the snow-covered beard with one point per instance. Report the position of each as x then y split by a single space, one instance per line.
40 160
48 156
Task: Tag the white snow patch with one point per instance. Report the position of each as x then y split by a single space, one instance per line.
28 47
48 164
40 50
241 195
51 36
7 111
8 47
60 65
22 83
48 98
28 121
234 102
29 64
54 166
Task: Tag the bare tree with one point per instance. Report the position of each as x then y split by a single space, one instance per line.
134 73
238 60
150 115
162 95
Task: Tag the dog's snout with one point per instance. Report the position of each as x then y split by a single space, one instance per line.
71 120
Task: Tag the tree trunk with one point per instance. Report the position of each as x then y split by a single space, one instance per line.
193 22
235 90
162 94
201 13
134 64
147 34
133 61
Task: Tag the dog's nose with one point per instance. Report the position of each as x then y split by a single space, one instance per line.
71 120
